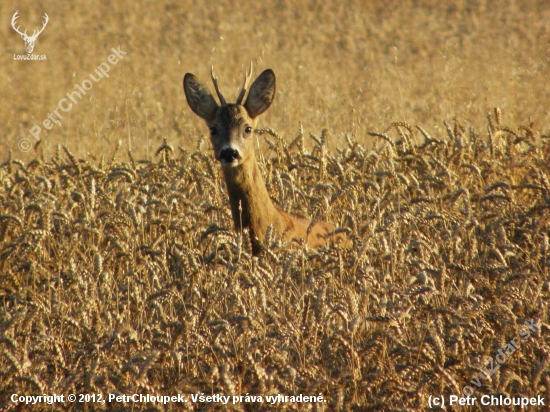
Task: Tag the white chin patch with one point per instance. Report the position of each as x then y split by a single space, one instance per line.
233 163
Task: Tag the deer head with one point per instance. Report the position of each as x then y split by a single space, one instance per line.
231 125
29 40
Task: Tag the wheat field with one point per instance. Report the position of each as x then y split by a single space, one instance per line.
420 129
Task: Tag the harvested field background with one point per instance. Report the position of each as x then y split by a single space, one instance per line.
119 271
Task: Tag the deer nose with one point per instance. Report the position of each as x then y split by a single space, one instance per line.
229 154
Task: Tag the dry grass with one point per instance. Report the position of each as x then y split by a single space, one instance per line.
346 66
123 277
119 272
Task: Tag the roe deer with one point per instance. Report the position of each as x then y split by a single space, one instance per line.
231 133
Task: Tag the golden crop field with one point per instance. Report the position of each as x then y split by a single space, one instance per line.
420 128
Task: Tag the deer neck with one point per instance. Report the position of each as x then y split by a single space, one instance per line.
251 205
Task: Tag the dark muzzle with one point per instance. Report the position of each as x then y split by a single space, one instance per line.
229 154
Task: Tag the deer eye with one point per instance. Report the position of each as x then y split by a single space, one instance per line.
213 131
248 129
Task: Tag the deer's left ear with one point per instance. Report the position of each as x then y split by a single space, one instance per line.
261 95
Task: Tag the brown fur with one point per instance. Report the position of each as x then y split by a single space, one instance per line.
251 206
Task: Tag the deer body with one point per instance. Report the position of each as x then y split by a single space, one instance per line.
252 207
231 133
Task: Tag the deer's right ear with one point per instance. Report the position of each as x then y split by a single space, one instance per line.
199 97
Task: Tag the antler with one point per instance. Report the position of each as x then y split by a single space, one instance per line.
218 91
35 33
15 17
247 77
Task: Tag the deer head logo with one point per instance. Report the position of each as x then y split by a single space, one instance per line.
29 40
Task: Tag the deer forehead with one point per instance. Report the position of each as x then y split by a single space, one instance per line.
232 116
